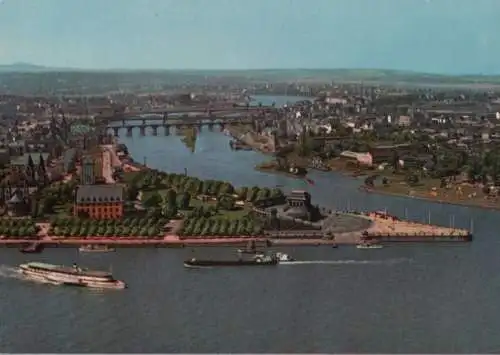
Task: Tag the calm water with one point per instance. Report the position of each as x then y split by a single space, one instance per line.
407 298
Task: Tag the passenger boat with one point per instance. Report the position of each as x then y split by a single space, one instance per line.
96 249
365 245
70 276
34 248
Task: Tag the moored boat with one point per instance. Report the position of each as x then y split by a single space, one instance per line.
72 276
34 248
96 249
366 245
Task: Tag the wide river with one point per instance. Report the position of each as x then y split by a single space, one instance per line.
400 299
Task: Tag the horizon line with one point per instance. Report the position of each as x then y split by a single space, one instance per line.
42 68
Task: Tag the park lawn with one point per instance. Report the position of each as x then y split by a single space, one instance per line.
237 213
430 189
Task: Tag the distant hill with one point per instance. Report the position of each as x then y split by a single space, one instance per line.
22 67
368 76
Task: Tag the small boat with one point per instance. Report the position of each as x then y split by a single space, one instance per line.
70 276
250 249
283 258
95 249
257 260
34 248
366 245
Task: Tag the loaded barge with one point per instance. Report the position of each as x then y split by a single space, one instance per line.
257 260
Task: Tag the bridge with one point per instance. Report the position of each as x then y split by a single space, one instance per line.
182 113
177 124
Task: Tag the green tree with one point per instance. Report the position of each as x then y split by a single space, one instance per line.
153 201
183 200
226 202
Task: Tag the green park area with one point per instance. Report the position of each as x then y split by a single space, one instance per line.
207 207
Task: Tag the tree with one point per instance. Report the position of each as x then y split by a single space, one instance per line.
226 202
242 193
170 198
153 201
132 192
226 189
48 204
183 200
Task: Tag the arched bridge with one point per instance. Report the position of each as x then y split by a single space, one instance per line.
184 113
166 125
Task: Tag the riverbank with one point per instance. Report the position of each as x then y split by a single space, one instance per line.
466 203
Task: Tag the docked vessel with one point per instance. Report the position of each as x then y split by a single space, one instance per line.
365 245
250 249
96 249
70 276
34 248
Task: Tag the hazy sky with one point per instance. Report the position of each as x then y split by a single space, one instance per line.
442 36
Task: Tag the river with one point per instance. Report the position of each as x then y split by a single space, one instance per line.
401 299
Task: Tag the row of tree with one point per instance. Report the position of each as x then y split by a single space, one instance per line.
130 222
107 231
12 227
16 222
202 226
181 184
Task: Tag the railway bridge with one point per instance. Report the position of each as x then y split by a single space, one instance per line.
167 125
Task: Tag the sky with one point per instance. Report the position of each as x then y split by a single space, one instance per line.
435 36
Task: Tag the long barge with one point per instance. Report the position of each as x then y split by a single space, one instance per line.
195 263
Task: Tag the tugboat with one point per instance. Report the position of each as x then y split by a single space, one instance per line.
34 248
283 258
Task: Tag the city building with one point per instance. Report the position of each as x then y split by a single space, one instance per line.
99 201
91 172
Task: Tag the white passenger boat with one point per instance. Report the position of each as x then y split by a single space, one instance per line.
70 276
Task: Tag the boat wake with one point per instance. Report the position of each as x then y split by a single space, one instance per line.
349 262
10 272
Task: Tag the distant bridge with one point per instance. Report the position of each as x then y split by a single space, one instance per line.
177 124
181 113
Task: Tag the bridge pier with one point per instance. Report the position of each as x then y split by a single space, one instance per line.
129 131
123 122
142 130
143 121
155 129
165 118
115 131
166 129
